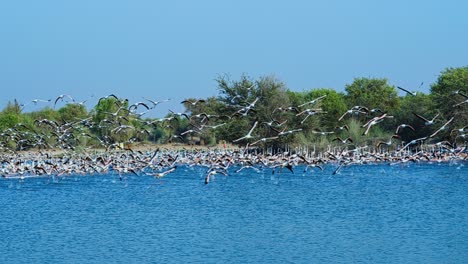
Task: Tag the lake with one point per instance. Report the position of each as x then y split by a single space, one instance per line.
407 213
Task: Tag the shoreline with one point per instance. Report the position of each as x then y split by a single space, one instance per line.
160 160
461 153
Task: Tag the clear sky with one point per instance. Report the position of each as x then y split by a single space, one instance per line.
175 49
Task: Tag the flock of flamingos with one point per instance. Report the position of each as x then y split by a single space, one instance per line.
160 162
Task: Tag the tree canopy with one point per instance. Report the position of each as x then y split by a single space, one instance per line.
262 112
372 93
449 94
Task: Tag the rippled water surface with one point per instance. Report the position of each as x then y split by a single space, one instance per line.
412 213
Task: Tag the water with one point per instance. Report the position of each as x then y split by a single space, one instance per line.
411 213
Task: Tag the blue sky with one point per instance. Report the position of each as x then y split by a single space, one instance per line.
175 49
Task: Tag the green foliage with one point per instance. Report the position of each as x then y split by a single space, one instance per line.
233 92
355 132
241 103
8 120
421 104
333 105
11 116
159 135
446 92
72 112
45 113
13 108
268 93
107 115
372 93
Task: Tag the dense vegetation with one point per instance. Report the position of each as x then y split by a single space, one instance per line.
318 117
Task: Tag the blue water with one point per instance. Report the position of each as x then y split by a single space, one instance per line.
411 213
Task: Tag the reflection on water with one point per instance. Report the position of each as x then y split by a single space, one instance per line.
411 213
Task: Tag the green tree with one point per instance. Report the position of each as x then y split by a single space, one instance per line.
45 113
10 115
265 94
107 115
333 105
372 93
205 114
73 112
421 104
447 94
13 108
8 120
